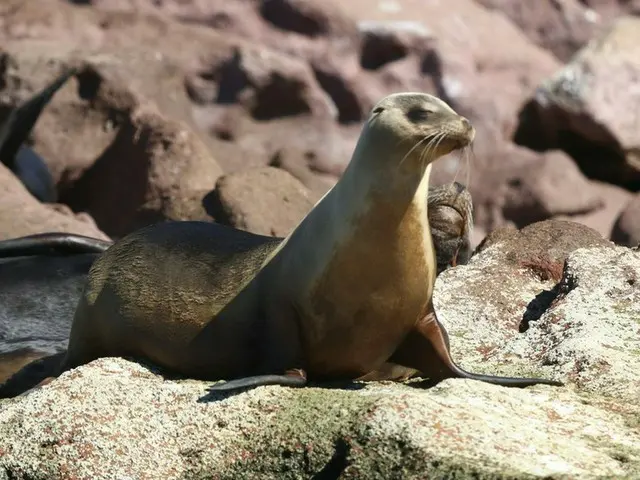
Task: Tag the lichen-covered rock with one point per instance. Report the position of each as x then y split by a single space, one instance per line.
571 313
115 418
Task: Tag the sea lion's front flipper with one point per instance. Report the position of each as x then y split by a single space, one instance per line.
33 375
291 378
426 348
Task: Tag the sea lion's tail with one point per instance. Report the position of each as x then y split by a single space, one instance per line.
292 378
521 382
52 243
32 375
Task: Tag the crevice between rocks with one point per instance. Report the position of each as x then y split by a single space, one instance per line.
349 110
337 464
551 128
546 299
284 15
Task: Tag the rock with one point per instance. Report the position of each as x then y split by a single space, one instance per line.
21 214
602 220
574 317
588 107
609 9
300 164
266 201
561 26
77 424
626 229
155 169
254 79
546 188
542 247
306 17
460 57
271 85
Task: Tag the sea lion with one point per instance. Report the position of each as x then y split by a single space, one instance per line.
23 161
52 243
39 293
38 296
346 291
450 213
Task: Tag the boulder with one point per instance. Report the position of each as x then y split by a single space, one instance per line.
87 423
21 214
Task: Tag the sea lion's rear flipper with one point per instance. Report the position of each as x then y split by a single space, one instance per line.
426 348
17 127
292 378
52 243
32 375
25 163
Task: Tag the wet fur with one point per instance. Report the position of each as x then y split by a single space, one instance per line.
52 243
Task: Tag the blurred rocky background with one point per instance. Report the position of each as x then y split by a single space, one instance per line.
246 111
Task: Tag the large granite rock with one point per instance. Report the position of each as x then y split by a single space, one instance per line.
555 300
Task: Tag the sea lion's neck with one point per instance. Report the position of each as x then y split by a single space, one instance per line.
372 210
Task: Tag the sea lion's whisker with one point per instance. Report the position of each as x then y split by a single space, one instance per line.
412 149
468 154
433 145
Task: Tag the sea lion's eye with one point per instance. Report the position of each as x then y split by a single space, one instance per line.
377 110
419 114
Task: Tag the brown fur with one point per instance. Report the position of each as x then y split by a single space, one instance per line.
347 290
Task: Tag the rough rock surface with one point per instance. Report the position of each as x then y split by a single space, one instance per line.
524 303
561 26
626 230
245 200
589 108
155 169
86 424
285 84
22 214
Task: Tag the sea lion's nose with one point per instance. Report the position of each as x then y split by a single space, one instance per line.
469 130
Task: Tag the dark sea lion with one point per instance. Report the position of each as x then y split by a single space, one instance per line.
23 161
52 243
346 291
38 296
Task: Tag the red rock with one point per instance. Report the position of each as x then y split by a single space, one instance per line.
561 26
626 229
589 107
21 214
155 169
551 186
266 201
602 220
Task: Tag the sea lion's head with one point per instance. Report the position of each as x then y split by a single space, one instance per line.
417 128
